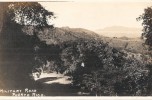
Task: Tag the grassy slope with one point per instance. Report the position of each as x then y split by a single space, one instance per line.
135 45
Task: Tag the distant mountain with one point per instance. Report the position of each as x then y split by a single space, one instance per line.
120 31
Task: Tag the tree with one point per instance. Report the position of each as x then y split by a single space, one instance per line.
17 47
29 13
106 71
146 18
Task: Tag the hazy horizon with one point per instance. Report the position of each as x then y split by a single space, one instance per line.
96 15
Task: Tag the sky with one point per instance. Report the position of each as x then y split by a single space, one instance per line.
97 14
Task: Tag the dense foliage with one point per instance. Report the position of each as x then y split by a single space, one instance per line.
146 18
18 49
29 13
102 70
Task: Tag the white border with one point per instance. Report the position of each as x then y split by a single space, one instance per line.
76 0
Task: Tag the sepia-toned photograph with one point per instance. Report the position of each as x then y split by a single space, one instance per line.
76 48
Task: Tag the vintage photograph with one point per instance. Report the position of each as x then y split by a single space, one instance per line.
76 48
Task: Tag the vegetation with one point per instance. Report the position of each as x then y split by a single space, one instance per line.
94 66
106 71
146 18
18 53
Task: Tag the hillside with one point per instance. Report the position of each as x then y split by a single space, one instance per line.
135 45
63 34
